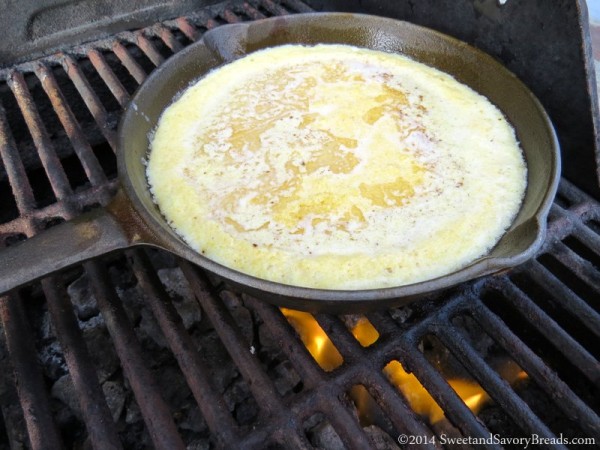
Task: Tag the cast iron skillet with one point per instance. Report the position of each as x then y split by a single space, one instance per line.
133 219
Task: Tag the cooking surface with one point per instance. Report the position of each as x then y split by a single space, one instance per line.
140 349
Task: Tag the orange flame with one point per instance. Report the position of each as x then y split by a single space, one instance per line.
328 357
315 339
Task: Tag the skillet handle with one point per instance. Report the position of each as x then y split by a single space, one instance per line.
93 234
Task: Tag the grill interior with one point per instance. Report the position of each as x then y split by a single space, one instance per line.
140 349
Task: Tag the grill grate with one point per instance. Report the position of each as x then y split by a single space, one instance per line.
58 117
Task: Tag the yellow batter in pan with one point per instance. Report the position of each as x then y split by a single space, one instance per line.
336 167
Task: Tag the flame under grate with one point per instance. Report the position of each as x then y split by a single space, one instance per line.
58 118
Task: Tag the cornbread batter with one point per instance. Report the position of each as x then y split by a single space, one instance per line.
336 167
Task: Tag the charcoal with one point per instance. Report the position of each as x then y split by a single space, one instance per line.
240 314
324 437
268 343
193 420
52 360
83 299
101 349
134 301
133 413
380 439
246 411
236 394
115 398
64 391
173 386
222 369
47 329
183 297
199 444
351 320
402 314
150 330
286 378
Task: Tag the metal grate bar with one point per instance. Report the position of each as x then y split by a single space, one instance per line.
545 377
211 23
396 408
454 408
188 29
129 62
252 12
292 439
591 239
54 170
351 433
230 16
261 386
42 431
82 148
495 386
575 195
90 99
346 344
296 352
587 236
299 6
14 167
559 293
272 7
213 408
584 269
542 322
109 78
149 49
383 323
169 39
99 423
155 412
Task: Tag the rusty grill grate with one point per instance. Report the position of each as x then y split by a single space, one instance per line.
58 117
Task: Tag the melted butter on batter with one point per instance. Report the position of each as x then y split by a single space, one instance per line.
336 167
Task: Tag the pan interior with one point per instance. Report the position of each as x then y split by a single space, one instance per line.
465 63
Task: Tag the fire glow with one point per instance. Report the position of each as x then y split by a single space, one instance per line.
328 357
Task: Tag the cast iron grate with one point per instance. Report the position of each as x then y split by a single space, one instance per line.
58 117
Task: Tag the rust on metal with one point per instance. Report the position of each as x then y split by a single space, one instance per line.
544 376
495 386
41 428
156 413
149 49
213 408
109 78
48 157
188 29
274 8
14 167
90 98
83 149
252 12
546 326
262 388
169 39
99 423
129 62
231 17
